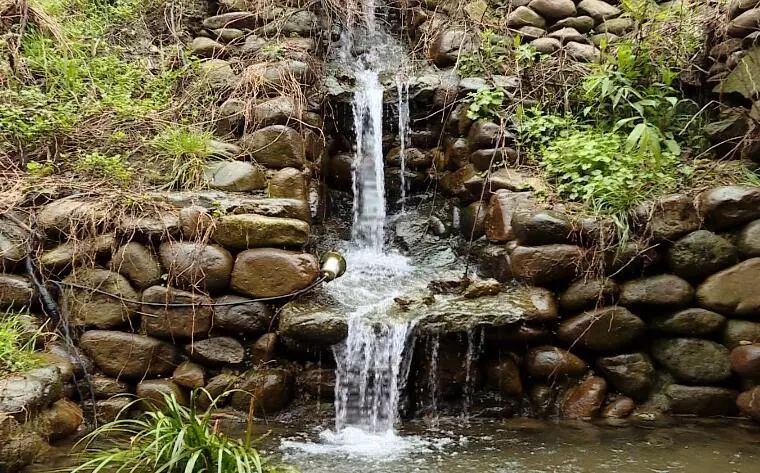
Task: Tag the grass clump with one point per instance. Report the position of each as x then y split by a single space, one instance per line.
176 439
16 345
186 152
105 166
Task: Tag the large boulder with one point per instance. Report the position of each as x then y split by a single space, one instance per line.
501 208
693 322
271 390
138 263
548 362
700 254
216 351
584 401
128 355
732 291
196 265
606 329
15 291
541 227
660 291
249 317
547 264
270 272
701 400
729 206
94 309
589 293
243 231
745 360
692 360
632 374
314 322
748 240
160 319
24 395
276 147
553 9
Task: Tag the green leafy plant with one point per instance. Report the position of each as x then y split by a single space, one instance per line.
187 150
272 51
490 57
37 169
16 345
486 103
536 129
107 166
174 439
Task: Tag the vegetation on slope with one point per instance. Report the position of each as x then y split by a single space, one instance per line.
16 345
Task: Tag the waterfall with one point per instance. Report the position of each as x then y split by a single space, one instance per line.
402 88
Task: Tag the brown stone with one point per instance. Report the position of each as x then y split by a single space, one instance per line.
170 322
136 262
660 291
270 389
631 374
504 375
243 231
196 265
262 351
547 264
190 375
732 291
216 351
589 294
547 362
60 420
729 206
745 360
606 329
289 183
473 220
502 206
620 408
15 291
196 223
585 400
748 403
128 355
153 393
75 252
93 309
268 272
669 218
701 400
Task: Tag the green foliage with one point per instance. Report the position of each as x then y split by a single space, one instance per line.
486 103
175 439
490 58
105 166
536 130
16 345
187 151
36 169
272 51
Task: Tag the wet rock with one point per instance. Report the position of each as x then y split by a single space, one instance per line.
701 400
217 389
92 309
456 152
660 291
189 375
619 408
668 218
589 293
127 355
606 329
171 322
585 400
631 374
276 147
630 259
737 7
195 223
689 322
548 362
745 360
216 351
269 272
553 9
196 266
153 393
740 332
501 208
524 16
519 334
700 254
313 323
60 420
541 399
207 47
242 20
748 403
72 355
75 252
485 134
547 264
24 395
504 375
289 183
249 231
104 387
692 360
250 317
234 176
20 444
729 206
473 219
108 410
482 287
136 262
748 241
493 262
15 291
489 158
270 389
598 10
448 45
318 382
731 291
541 227
453 183
263 349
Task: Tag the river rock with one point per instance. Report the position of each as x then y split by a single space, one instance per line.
630 259
13 244
692 360
693 322
482 287
530 33
567 35
24 395
154 392
700 254
60 420
541 227
207 47
744 24
585 400
15 291
631 374
108 410
606 329
127 355
75 252
616 26
589 293
473 221
196 223
548 362
668 218
276 147
660 291
20 444
270 272
547 264
289 183
448 45
492 158
582 52
189 375
239 19
504 375
271 391
235 176
524 16
68 216
314 322
92 309
621 407
263 349
546 45
701 400
196 265
485 134
748 241
582 24
737 7
136 262
745 360
598 10
171 322
250 231
501 208
280 110
104 387
740 332
153 227
251 317
731 291
553 9
729 206
748 403
216 351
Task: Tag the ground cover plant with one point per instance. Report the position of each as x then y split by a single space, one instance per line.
16 345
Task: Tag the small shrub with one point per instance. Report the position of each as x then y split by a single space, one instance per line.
187 151
16 346
36 169
486 103
106 166
490 58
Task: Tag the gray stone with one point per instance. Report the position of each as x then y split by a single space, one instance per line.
688 322
692 360
68 216
598 10
472 220
242 20
589 293
216 351
485 134
251 317
631 374
289 183
92 309
745 23
152 227
197 266
216 74
582 24
280 110
207 47
15 291
250 231
276 147
313 322
700 254
270 272
13 244
546 45
548 362
701 400
153 393
541 227
730 206
567 34
547 264
530 33
75 252
234 176
448 45
22 396
606 329
660 291
733 290
524 16
748 241
138 263
739 332
175 322
553 9
582 52
616 26
127 355
668 218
